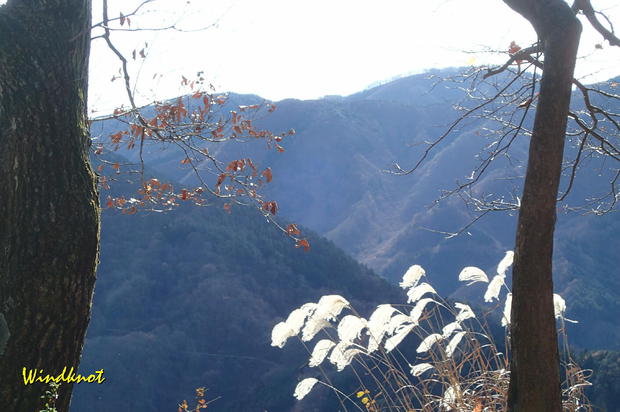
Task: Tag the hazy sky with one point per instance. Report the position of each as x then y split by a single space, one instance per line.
308 49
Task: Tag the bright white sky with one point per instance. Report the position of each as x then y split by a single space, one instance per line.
308 49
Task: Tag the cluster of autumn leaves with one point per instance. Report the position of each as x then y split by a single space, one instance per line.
192 123
201 402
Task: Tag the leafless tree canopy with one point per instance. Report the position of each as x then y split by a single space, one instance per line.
502 99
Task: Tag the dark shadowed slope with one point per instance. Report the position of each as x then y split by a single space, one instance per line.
188 299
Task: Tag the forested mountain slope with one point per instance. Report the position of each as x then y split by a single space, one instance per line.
332 179
188 299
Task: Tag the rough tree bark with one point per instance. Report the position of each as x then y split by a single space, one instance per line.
49 224
535 375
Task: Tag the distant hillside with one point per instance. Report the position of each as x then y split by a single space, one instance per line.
604 394
331 179
188 299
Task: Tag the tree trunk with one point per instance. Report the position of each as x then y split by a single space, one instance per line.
535 376
49 225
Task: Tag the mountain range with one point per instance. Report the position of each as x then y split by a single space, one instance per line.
188 296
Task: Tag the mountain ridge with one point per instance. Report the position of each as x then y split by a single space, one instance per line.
331 179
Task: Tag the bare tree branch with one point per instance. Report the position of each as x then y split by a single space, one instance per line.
586 7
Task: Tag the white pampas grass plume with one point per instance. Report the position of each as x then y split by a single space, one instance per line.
420 368
396 322
280 334
313 326
398 336
454 342
320 351
342 355
377 324
415 293
418 309
330 306
465 312
292 326
448 400
505 263
507 308
429 341
559 305
350 328
412 276
304 387
450 328
472 275
494 288
297 317
498 280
